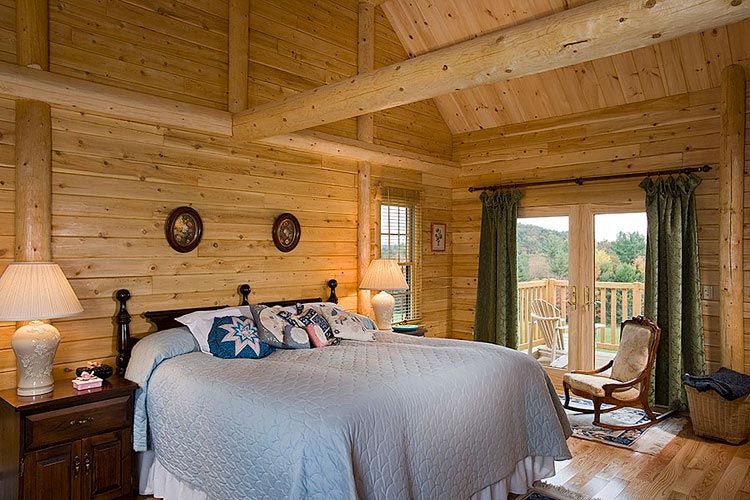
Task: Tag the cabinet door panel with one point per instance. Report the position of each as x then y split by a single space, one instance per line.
54 473
106 459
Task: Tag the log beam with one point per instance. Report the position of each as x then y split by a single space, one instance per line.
591 31
365 133
81 95
239 16
33 218
731 216
103 100
352 149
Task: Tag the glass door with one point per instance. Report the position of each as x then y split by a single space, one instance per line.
619 270
543 289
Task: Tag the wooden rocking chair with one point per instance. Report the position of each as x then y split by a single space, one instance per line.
630 379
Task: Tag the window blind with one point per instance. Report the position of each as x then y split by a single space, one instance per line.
400 239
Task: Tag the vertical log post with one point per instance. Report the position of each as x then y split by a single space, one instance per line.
731 215
33 141
239 18
365 132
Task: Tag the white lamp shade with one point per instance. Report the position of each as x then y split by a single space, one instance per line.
35 291
384 274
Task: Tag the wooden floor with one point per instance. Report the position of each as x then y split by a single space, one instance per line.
689 468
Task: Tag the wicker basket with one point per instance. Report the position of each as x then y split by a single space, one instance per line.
717 418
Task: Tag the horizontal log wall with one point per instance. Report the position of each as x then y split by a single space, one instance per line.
115 182
677 131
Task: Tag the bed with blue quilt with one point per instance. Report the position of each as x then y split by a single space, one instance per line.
395 417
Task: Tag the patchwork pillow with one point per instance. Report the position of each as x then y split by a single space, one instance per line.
234 337
200 323
348 326
277 327
310 317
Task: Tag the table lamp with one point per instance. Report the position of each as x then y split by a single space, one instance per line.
383 274
35 291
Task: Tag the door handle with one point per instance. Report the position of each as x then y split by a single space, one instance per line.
77 465
87 463
573 300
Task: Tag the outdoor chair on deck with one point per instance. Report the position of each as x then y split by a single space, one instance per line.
630 379
548 319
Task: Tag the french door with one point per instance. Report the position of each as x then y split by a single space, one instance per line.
580 274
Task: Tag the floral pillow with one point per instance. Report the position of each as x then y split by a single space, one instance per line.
277 327
234 337
348 326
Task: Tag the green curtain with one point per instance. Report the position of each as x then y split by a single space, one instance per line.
496 318
673 284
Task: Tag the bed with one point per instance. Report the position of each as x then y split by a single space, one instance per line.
398 418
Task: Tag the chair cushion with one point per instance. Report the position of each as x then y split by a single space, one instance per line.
595 386
632 356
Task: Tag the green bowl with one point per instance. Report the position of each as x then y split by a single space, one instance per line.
405 328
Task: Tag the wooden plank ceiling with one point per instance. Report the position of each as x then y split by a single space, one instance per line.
688 64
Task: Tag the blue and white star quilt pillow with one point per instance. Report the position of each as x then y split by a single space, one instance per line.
236 337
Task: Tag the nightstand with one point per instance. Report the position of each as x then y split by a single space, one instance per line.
419 332
68 444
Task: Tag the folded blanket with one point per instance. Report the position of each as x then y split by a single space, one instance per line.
728 383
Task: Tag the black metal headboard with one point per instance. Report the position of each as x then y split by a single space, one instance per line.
163 320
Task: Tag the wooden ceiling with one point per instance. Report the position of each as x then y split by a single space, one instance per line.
688 64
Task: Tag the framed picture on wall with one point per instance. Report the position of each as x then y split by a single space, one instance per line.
438 237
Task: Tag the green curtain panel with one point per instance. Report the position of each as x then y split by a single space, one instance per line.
673 284
496 318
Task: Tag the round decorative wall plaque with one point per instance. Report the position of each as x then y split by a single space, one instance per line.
184 229
286 232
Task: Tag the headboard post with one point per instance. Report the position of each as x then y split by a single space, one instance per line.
245 292
123 331
332 284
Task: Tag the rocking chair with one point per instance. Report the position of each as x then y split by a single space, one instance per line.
630 379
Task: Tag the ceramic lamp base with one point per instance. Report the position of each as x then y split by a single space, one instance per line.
35 346
382 305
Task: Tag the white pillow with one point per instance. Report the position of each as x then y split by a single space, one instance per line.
345 325
201 322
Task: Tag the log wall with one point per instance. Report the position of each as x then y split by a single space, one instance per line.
672 132
115 182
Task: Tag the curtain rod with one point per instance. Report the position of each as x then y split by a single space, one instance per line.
581 180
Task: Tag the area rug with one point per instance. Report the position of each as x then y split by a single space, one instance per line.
650 440
544 491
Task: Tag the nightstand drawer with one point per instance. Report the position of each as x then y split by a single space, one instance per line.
69 424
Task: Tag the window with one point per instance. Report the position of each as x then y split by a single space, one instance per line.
400 230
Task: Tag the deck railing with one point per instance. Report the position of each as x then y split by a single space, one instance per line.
613 303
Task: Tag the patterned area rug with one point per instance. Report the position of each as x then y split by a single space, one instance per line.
650 440
544 491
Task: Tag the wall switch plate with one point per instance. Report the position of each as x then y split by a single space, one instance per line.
708 292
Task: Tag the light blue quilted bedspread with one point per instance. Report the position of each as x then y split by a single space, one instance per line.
400 418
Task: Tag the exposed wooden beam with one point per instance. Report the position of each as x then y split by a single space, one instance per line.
98 99
592 31
365 133
341 147
81 95
33 218
239 16
731 216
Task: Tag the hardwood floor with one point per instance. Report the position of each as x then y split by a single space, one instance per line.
689 468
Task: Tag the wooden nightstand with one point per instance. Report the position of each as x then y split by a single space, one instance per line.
68 444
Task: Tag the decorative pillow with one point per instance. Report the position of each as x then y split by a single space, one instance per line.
278 328
317 337
310 317
236 337
347 326
200 323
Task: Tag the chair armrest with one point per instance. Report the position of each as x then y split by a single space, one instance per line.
610 388
594 372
